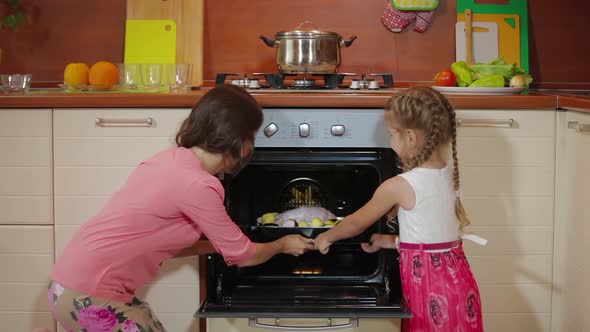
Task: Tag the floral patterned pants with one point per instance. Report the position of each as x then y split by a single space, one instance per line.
77 312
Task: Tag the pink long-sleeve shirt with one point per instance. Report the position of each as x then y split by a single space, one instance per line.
167 203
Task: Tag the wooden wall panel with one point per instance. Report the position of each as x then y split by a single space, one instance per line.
232 30
63 31
559 43
69 30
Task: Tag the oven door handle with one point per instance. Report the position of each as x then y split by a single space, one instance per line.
253 322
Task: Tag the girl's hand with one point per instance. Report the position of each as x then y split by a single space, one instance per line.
322 244
379 241
296 244
370 247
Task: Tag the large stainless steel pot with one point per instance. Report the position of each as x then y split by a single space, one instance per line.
308 51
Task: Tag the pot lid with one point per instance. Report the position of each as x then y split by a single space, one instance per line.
311 31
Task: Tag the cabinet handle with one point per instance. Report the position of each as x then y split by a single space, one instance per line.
253 322
579 127
147 122
498 123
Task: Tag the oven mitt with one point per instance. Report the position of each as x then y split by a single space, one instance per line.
397 19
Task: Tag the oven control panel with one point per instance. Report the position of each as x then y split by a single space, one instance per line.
322 127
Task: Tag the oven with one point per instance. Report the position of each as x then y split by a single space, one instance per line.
329 158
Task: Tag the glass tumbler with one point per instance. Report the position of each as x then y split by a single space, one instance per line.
16 83
178 77
151 75
130 75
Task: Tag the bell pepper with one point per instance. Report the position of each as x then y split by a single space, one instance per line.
490 81
462 73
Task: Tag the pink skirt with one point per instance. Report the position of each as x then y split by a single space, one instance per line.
440 290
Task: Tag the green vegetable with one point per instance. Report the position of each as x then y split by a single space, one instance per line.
497 66
462 73
490 81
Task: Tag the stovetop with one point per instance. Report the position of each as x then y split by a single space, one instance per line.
310 83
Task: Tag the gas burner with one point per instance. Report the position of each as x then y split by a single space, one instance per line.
305 81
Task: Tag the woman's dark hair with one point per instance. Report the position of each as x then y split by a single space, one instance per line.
225 118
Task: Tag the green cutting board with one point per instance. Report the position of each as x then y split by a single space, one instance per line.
516 7
150 41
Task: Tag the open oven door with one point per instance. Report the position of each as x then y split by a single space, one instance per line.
307 301
233 294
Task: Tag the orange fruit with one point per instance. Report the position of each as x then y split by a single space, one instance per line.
103 73
76 74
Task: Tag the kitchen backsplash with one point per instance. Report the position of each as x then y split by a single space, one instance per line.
63 31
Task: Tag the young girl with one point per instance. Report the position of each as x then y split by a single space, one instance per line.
162 210
437 282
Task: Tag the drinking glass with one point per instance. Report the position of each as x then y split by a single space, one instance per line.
151 75
130 75
16 83
178 76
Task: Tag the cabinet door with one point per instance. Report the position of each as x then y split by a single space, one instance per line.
25 166
572 224
26 257
506 161
95 151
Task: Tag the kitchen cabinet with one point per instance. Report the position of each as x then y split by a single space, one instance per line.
95 151
507 170
26 257
572 224
25 167
26 215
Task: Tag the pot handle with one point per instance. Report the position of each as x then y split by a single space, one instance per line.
269 42
347 42
308 22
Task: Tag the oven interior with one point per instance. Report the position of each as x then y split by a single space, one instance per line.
340 180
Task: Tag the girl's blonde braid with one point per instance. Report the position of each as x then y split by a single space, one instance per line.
432 139
459 210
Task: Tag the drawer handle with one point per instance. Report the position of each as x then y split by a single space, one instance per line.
147 122
579 127
253 322
507 123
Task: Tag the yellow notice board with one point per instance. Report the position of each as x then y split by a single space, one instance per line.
150 41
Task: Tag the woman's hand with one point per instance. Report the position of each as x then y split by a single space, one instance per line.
322 244
378 242
296 244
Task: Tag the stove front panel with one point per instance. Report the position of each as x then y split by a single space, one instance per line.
323 128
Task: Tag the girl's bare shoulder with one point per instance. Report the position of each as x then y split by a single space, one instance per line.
400 190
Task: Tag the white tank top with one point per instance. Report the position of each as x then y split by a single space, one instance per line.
433 219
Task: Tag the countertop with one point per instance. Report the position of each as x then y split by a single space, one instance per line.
56 99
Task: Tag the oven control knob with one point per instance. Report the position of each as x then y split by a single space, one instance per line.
304 130
271 129
338 130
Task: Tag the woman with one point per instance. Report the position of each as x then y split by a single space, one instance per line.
166 205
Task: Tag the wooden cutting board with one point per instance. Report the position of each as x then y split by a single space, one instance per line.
189 18
512 19
485 43
508 34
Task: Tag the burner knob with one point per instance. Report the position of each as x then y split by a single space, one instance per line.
304 130
338 130
271 129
